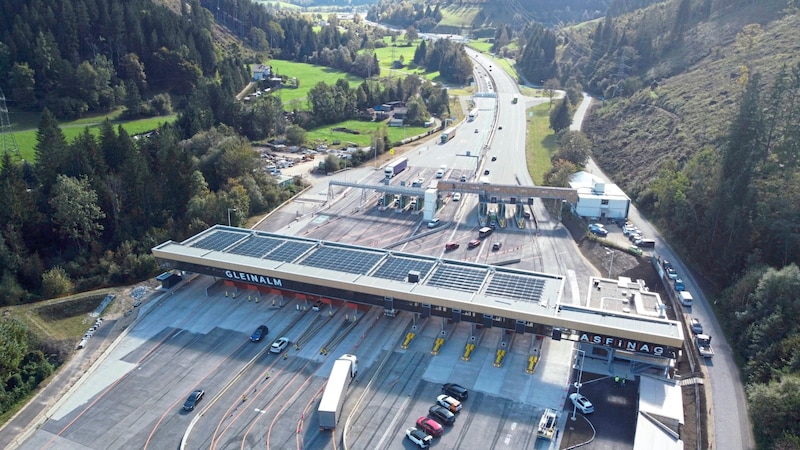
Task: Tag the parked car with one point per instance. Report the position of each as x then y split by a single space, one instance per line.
451 245
419 437
193 399
599 231
474 243
259 333
442 414
635 250
672 273
279 345
582 403
449 402
430 426
696 326
455 390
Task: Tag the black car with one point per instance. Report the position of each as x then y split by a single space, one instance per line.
259 333
455 390
193 399
486 172
442 414
494 158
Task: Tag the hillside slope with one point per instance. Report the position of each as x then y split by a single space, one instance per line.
679 115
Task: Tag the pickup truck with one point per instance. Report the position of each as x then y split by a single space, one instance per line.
703 342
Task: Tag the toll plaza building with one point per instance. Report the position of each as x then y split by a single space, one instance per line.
621 323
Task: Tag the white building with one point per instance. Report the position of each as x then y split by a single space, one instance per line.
598 199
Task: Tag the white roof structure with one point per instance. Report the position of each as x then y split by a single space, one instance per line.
597 198
660 414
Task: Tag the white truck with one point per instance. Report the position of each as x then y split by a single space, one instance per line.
547 424
703 342
330 407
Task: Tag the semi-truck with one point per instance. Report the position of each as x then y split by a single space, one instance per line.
448 134
703 342
330 407
396 167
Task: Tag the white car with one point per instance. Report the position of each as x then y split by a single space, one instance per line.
419 437
279 345
582 403
449 402
434 222
457 197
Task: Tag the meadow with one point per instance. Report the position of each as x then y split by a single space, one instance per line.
541 143
364 138
308 75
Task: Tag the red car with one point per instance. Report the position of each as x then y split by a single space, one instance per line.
474 243
430 426
451 246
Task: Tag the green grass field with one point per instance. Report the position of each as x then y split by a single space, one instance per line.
393 52
28 123
308 75
326 133
541 142
480 45
459 16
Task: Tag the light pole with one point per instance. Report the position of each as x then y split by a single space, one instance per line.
580 376
229 215
610 266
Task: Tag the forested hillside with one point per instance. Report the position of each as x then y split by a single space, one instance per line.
699 125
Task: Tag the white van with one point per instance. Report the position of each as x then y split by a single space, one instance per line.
686 298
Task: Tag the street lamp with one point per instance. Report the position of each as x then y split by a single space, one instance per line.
610 266
229 215
580 376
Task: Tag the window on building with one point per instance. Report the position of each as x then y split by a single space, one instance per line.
604 202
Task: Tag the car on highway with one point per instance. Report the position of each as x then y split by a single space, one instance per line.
279 345
430 426
317 305
259 333
419 437
455 390
434 222
496 246
474 243
463 178
500 127
193 399
486 172
494 158
457 197
449 402
451 245
696 326
582 403
442 414
476 130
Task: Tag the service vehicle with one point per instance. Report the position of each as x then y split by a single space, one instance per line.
330 407
547 424
419 437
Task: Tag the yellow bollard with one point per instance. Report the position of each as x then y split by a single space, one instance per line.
285 355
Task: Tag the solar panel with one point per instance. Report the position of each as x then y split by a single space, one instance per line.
343 259
460 278
256 246
218 240
515 286
289 251
395 268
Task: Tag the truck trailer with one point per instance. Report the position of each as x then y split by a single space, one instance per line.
330 407
395 167
448 134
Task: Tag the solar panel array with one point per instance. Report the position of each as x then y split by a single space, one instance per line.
218 240
256 246
373 262
460 278
343 259
515 286
397 268
289 251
